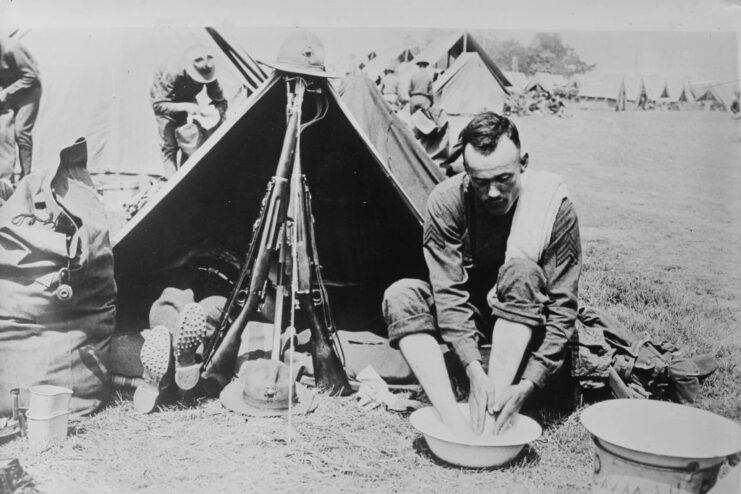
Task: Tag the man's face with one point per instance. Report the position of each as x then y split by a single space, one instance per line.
496 177
204 64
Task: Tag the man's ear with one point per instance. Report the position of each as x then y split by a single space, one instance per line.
524 162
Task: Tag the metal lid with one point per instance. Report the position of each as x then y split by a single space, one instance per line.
663 429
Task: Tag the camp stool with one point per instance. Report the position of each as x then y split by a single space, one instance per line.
155 358
188 337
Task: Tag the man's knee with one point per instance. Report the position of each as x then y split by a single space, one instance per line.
520 293
407 309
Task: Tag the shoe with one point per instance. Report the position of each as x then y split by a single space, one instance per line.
155 358
188 337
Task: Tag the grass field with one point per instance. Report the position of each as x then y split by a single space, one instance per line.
660 215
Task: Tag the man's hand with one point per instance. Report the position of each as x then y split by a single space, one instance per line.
3 97
190 108
481 396
509 402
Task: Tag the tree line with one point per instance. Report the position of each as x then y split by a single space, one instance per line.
546 52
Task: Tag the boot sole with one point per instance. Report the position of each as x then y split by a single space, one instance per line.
188 337
155 358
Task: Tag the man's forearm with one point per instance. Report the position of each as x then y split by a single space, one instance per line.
448 278
508 346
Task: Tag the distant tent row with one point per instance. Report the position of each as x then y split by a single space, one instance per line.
603 90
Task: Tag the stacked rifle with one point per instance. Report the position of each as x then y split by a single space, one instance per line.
282 261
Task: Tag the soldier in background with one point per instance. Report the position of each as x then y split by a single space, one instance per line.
389 88
20 94
420 88
173 97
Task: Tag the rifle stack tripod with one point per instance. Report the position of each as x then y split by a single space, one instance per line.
282 259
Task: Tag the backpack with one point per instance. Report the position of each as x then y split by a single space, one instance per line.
57 291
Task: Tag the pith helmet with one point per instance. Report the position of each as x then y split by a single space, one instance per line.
302 53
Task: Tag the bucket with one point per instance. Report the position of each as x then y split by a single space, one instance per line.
658 447
617 474
43 431
46 400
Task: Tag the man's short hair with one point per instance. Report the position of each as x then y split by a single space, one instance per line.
485 130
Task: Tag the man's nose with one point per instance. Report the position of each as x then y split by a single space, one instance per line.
494 192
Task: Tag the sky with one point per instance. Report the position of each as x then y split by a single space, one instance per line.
685 39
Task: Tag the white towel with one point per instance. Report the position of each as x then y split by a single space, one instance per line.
540 199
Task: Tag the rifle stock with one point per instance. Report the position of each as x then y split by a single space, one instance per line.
329 373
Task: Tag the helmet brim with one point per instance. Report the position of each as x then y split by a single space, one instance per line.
302 69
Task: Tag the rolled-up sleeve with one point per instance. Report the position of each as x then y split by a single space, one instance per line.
215 92
162 94
17 56
443 250
562 267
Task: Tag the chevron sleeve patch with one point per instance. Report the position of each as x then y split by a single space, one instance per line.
567 251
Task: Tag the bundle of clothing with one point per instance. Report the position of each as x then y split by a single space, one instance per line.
607 357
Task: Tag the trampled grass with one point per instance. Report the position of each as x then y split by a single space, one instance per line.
660 239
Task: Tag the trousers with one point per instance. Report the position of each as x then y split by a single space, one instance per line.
24 107
168 144
518 296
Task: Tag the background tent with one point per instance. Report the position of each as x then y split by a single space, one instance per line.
665 92
96 84
468 87
655 85
620 101
443 51
599 90
393 57
642 96
368 222
517 80
541 82
712 95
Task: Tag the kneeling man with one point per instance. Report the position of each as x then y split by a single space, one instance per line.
503 253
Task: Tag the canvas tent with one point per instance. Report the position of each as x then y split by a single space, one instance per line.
393 57
642 96
96 84
712 95
620 102
599 90
685 95
665 92
443 51
368 208
402 154
517 80
468 87
541 82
